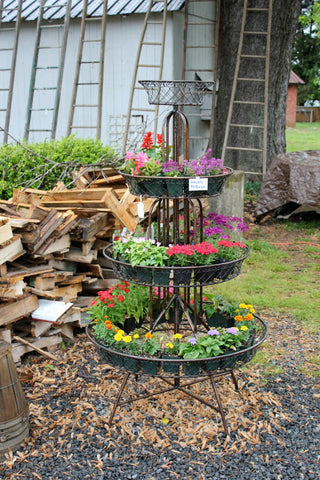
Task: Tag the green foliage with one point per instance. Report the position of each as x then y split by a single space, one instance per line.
252 190
41 165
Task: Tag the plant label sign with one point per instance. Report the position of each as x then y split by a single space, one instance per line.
197 183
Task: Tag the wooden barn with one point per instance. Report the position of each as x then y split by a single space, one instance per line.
74 67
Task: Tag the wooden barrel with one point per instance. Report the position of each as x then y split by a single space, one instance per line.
14 414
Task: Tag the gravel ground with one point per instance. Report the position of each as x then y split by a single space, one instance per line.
274 421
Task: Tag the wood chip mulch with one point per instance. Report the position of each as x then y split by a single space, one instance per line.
70 403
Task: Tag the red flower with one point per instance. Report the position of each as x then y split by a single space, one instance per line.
121 298
110 305
147 143
159 139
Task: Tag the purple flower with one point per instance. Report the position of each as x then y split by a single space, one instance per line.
193 341
232 330
213 332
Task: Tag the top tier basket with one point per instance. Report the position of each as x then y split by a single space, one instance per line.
176 92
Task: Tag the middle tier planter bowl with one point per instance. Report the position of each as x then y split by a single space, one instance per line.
176 187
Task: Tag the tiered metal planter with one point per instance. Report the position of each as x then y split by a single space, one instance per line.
176 197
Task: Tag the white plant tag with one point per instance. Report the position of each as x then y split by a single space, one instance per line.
198 183
140 208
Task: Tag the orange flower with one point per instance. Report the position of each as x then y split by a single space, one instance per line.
249 316
238 318
148 335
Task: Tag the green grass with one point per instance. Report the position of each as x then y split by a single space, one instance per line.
271 279
305 136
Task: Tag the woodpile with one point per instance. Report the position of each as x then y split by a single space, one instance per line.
51 259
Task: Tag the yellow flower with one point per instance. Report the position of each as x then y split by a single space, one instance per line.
248 317
127 338
118 337
169 345
244 328
177 336
121 332
238 318
249 306
252 310
136 335
242 305
236 328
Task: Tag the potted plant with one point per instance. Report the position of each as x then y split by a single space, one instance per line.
123 305
152 172
145 350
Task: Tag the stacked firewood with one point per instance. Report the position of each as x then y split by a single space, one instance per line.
51 256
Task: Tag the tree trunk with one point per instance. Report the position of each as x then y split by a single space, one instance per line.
284 22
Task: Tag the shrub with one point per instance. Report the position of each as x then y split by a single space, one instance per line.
43 164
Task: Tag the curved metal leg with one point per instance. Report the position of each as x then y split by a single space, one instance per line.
223 418
122 387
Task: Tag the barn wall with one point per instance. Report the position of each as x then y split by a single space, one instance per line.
122 37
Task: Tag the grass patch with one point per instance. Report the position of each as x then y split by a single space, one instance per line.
270 279
305 136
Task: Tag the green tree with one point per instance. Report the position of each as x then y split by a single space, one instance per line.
306 52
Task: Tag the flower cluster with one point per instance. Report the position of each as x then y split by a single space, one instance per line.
203 166
222 226
203 253
120 302
149 161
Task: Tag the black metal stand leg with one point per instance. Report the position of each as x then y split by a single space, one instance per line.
123 385
216 393
235 381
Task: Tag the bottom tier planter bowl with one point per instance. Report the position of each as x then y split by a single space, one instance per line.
165 365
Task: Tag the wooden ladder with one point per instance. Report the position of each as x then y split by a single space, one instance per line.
255 88
44 99
89 89
153 36
8 69
199 61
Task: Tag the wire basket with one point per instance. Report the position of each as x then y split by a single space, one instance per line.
176 92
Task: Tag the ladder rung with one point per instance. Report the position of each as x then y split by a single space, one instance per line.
96 40
249 103
151 43
245 149
84 106
253 56
257 9
83 126
142 65
144 109
93 83
245 126
6 49
46 27
248 32
251 79
4 89
5 69
201 46
90 61
7 29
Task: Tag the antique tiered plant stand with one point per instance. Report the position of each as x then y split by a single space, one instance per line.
172 209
